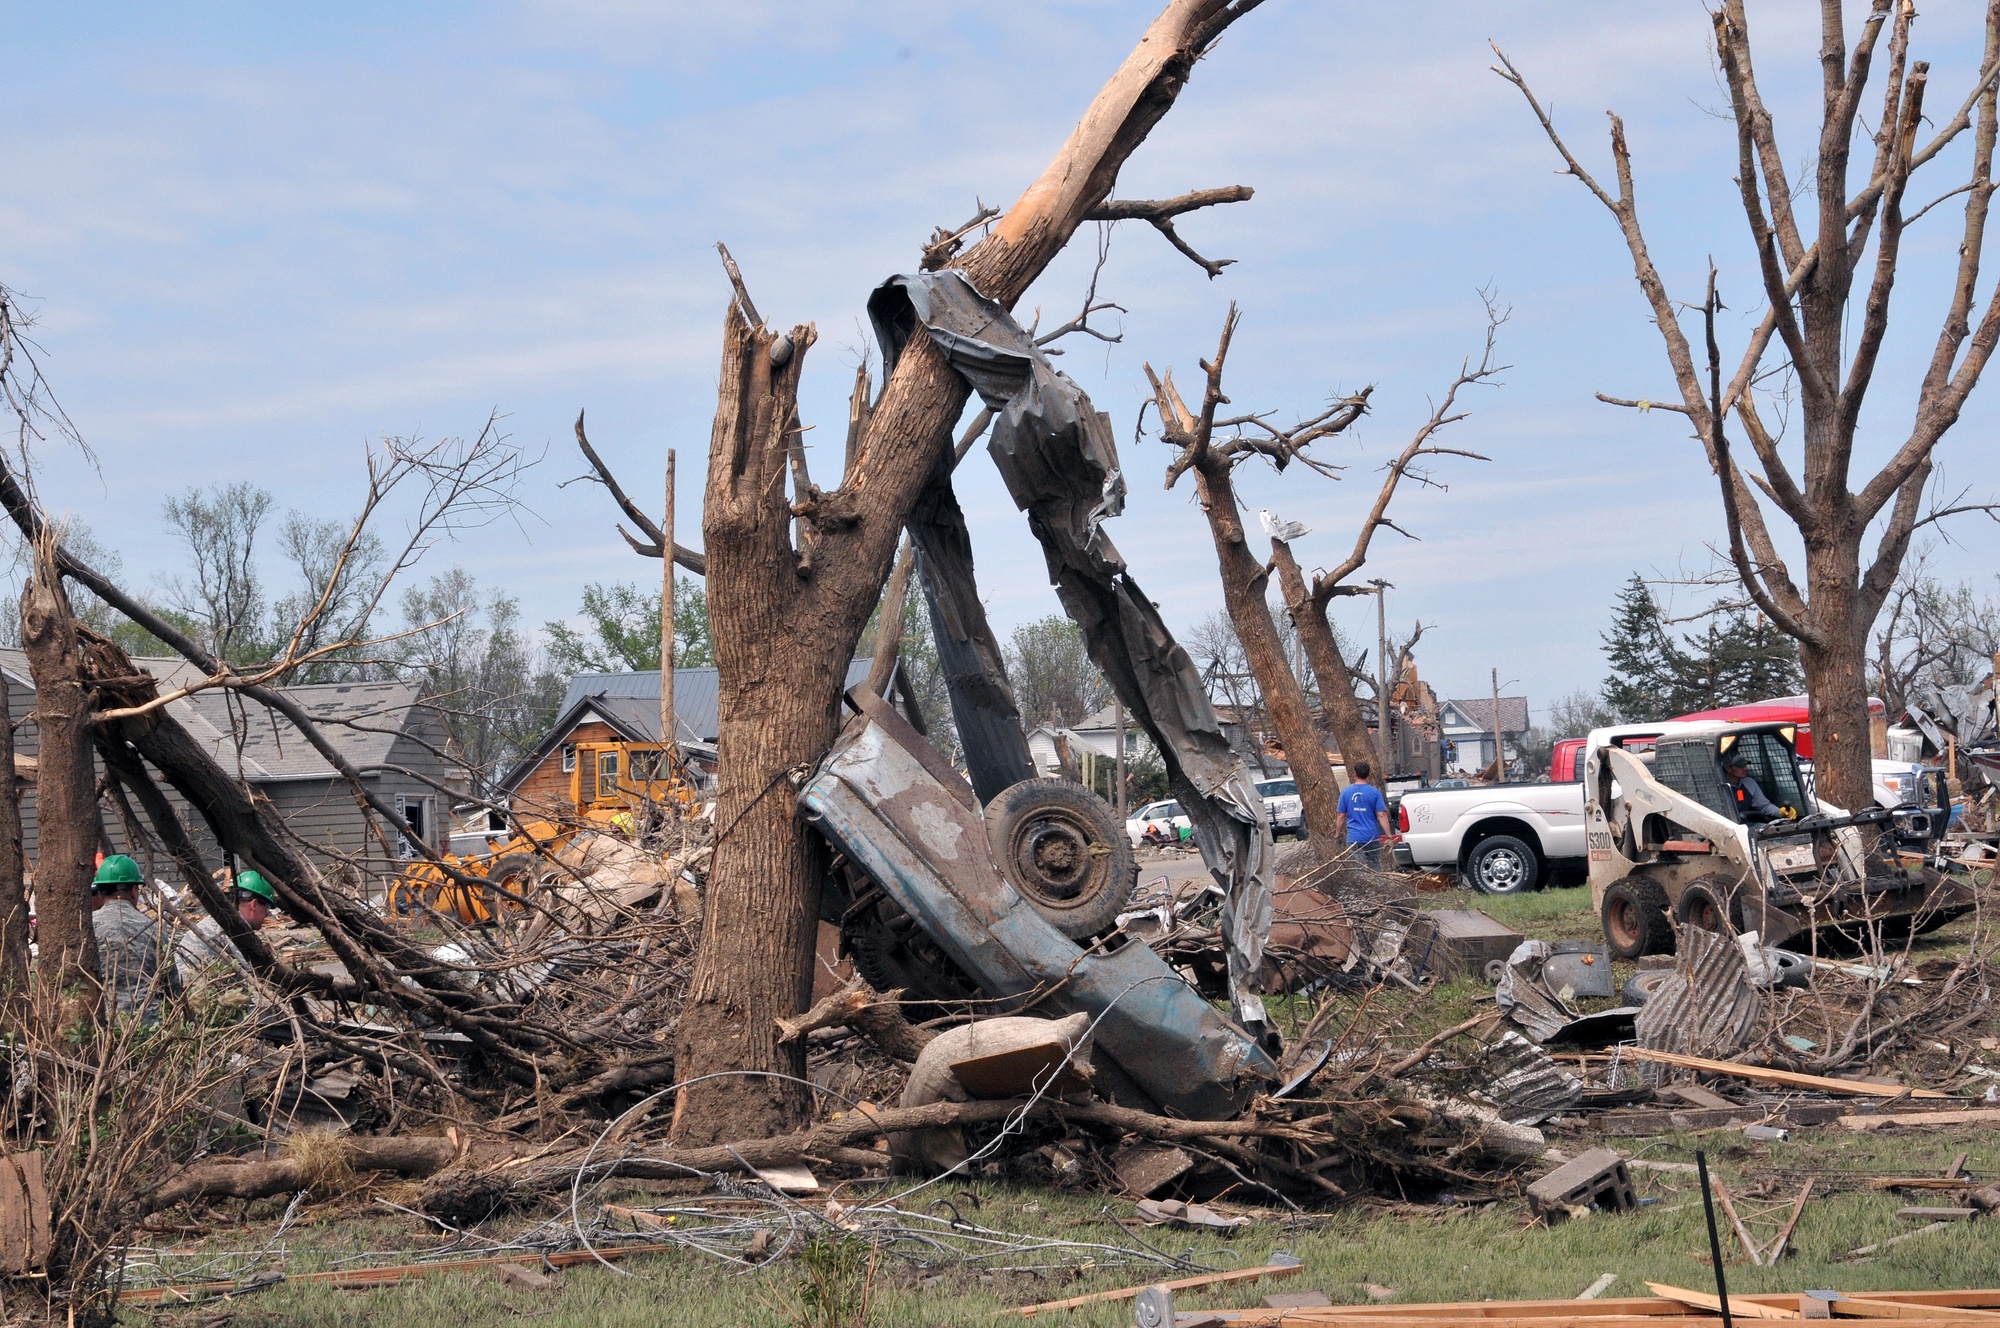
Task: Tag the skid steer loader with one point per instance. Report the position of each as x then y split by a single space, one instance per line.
1671 842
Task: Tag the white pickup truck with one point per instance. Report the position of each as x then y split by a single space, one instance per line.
1503 839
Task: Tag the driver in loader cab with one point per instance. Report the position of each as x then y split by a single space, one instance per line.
1751 804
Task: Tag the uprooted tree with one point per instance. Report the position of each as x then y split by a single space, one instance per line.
793 577
1245 578
1832 335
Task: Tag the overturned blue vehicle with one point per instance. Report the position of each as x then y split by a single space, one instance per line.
916 856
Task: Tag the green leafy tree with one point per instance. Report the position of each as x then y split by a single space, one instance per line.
621 630
1641 654
1054 681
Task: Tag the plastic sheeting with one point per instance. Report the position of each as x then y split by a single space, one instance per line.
1057 456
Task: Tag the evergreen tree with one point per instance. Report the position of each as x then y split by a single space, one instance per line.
1643 660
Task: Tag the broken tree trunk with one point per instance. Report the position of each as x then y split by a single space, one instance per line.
787 620
1337 700
65 788
1245 583
232 1178
13 876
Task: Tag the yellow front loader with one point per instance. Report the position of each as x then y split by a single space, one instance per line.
619 788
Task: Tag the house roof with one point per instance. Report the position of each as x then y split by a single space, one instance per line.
366 719
634 698
1479 713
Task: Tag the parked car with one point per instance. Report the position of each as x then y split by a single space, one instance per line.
1158 823
1282 807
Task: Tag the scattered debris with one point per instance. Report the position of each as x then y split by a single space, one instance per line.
1282 1264
1597 1179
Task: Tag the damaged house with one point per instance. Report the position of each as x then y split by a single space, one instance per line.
401 747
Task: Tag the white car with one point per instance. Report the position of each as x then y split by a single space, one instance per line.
1282 807
1165 820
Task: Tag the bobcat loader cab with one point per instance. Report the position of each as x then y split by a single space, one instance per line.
1670 842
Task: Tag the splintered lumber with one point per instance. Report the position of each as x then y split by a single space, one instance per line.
1738 1306
1891 1305
1790 1078
1275 1269
1935 1119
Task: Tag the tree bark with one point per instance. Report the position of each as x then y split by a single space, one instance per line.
1337 701
786 620
13 877
1835 663
65 789
1244 585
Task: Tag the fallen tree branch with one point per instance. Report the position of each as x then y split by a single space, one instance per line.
233 1178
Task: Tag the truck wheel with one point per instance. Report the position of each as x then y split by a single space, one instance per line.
1635 919
1503 865
1712 904
1061 846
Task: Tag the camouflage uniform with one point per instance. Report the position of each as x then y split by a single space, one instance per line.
130 951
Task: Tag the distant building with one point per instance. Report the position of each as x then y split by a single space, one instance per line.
401 748
622 707
1467 726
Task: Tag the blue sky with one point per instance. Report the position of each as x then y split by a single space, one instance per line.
258 236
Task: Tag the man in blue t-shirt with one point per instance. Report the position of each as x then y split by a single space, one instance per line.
1364 817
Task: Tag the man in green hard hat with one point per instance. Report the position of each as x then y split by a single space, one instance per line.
206 944
130 945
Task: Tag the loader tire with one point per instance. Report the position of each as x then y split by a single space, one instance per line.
514 874
1062 848
1635 919
1711 903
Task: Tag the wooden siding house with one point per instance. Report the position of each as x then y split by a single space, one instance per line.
401 748
620 707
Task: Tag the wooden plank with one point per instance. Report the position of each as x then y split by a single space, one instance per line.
1183 1284
1777 1251
15 1229
1764 1075
356 1279
1739 1306
1920 1213
1889 1305
1742 1234
1934 1119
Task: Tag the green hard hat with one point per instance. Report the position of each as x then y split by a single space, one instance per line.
117 870
251 882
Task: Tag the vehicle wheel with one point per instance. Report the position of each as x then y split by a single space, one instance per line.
1062 847
1794 970
1639 988
1712 904
1495 970
512 874
1503 865
1635 919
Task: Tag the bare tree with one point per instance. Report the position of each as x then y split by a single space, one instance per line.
1053 677
1832 335
1245 577
224 596
1931 634
793 579
1309 604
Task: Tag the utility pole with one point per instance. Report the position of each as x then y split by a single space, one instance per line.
668 733
1118 718
1499 757
1385 722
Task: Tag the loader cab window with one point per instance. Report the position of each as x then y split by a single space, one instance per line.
607 774
647 767
1770 761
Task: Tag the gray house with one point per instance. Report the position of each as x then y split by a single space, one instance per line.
1468 727
401 748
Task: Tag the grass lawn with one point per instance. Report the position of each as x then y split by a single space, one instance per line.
1428 1252
1420 1253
